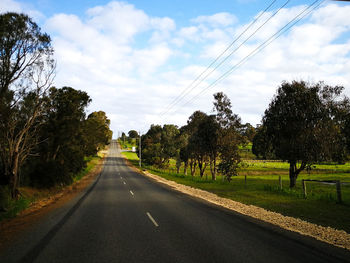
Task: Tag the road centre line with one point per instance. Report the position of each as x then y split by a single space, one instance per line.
152 219
124 183
131 192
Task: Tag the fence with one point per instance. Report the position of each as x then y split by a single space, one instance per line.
336 182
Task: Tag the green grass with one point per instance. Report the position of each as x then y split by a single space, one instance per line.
127 145
262 189
91 162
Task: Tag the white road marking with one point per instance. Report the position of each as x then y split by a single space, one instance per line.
121 177
152 219
131 192
124 183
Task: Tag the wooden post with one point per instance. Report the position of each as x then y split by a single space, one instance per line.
280 181
304 188
338 192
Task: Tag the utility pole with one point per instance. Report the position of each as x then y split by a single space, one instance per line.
140 149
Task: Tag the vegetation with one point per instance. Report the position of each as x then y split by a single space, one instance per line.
303 125
45 137
261 188
200 143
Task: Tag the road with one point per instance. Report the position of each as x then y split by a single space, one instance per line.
126 217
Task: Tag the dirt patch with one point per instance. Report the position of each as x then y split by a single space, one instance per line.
329 235
10 229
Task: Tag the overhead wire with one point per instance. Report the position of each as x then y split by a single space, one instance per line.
186 90
280 32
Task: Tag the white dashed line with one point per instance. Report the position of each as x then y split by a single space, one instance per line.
152 219
131 192
124 183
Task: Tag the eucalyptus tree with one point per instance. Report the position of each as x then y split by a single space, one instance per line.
27 70
301 125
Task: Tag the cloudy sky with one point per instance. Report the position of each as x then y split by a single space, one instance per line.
143 62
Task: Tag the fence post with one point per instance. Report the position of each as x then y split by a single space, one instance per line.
304 188
338 192
280 181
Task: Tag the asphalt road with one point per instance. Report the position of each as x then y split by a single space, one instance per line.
125 217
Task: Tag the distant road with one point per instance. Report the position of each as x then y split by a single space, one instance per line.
125 217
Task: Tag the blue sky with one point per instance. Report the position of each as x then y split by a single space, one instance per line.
135 57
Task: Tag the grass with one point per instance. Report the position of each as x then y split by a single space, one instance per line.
262 189
30 195
127 145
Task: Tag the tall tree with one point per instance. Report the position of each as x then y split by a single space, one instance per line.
229 137
26 72
196 147
96 132
300 125
159 144
64 138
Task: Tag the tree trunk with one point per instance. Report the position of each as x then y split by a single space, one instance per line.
213 168
193 165
202 169
14 176
294 172
185 167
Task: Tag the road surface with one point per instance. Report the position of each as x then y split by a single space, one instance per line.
125 217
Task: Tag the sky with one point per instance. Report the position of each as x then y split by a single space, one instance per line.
135 58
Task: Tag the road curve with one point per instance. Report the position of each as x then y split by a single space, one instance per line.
125 217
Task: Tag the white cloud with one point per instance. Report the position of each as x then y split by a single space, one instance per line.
13 6
133 65
217 20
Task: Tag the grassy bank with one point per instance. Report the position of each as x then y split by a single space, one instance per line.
30 195
261 188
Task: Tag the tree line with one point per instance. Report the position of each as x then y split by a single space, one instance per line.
44 131
304 124
205 141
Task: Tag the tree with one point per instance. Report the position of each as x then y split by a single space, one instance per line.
64 138
261 147
229 137
300 125
96 132
133 134
196 149
159 144
248 131
26 73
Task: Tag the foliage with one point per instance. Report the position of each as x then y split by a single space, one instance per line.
300 126
96 131
229 136
26 72
159 144
133 134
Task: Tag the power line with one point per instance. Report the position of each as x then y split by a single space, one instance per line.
228 56
280 32
186 91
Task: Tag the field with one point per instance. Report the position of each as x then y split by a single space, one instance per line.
258 184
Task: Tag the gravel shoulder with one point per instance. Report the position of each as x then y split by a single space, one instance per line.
332 236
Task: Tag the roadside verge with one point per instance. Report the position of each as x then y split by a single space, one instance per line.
11 228
329 235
